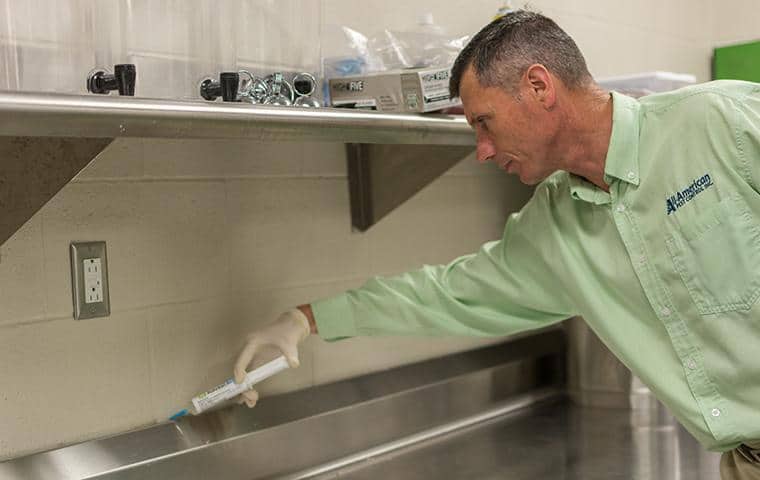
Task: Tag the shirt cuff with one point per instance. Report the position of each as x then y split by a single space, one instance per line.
334 318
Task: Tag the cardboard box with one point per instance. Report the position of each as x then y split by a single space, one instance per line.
398 91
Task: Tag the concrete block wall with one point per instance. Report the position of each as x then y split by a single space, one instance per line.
208 240
736 21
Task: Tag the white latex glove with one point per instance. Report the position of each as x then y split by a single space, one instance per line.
285 334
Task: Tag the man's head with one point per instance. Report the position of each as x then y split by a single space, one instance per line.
514 77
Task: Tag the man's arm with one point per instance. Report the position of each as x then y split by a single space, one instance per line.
508 286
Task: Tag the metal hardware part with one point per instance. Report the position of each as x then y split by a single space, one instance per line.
209 89
280 90
275 90
304 84
98 81
252 88
123 79
227 87
306 101
276 84
280 100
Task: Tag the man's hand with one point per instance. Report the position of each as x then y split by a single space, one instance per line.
285 334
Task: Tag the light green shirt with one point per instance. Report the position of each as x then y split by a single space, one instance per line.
665 268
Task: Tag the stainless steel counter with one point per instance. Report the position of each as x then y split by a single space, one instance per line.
549 442
499 412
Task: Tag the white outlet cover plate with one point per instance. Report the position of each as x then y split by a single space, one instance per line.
89 254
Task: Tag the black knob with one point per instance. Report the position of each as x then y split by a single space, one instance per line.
124 79
229 82
210 90
126 75
226 87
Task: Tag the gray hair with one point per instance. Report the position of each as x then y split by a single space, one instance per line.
502 51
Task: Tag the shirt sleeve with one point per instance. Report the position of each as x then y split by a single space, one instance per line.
506 287
748 135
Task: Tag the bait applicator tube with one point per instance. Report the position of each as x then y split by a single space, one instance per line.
230 389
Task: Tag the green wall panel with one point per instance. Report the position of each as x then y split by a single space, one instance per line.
738 62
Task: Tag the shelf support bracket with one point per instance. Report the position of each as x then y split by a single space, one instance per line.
382 177
34 169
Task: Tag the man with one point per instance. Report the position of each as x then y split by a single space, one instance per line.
646 222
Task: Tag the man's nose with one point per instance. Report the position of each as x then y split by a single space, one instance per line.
485 149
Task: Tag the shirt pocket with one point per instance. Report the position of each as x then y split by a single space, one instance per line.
718 257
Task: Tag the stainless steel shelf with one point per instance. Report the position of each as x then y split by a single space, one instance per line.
57 115
47 139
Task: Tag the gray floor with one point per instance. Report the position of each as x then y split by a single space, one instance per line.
558 441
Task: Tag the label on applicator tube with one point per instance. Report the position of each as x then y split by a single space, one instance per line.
230 389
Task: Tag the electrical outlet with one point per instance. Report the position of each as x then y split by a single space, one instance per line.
89 280
93 280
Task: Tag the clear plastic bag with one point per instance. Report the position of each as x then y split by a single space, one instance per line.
419 49
427 45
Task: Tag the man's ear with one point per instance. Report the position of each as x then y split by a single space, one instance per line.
541 84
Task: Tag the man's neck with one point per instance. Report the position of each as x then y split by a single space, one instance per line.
584 141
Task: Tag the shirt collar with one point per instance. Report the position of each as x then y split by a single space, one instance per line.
622 161
582 189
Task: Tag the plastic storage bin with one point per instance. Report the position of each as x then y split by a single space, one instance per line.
640 84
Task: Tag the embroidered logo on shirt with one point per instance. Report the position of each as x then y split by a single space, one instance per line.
679 199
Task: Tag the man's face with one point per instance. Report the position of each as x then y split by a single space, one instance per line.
515 131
